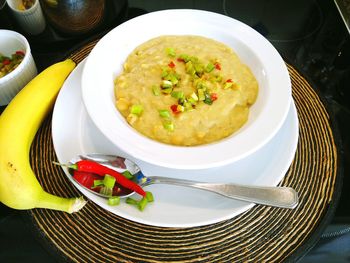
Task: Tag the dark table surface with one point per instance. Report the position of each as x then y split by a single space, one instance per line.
310 35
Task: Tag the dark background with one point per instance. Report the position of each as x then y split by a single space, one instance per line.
310 35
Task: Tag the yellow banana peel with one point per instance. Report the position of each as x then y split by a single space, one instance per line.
21 119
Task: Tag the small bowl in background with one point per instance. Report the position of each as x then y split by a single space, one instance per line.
13 82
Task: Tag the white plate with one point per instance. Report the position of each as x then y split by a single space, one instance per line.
266 115
74 133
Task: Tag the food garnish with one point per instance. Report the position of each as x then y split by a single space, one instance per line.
9 64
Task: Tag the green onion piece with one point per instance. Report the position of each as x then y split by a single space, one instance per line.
166 84
164 113
210 67
208 99
109 181
177 94
98 183
170 52
136 109
106 191
194 96
127 174
142 203
168 126
131 201
156 90
114 200
149 196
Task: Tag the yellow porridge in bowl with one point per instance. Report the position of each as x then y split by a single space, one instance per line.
185 90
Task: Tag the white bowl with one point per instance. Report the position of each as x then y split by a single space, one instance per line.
105 61
12 83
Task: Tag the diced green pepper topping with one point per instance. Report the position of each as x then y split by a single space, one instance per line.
114 200
164 113
156 90
136 109
210 67
167 90
170 52
184 57
173 78
201 95
177 94
190 68
168 126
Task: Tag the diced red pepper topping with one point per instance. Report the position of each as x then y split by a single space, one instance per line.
174 109
20 52
217 65
229 80
214 96
6 62
171 64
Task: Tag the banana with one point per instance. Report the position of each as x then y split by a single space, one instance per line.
21 119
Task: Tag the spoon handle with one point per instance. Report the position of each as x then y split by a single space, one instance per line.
284 197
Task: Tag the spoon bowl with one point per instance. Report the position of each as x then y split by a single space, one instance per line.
284 197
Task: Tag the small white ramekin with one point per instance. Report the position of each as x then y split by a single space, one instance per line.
12 83
32 20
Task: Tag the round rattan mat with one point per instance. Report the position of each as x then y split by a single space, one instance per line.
262 234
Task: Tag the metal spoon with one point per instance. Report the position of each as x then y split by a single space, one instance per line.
284 197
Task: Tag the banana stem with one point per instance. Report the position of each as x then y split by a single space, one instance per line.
69 205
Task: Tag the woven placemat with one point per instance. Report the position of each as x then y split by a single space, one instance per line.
262 234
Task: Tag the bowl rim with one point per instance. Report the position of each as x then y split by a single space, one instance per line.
141 152
27 55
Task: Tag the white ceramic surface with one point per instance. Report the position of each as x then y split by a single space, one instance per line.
32 20
12 83
74 133
266 115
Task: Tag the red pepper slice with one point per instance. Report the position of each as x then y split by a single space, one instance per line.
217 65
85 178
171 64
94 167
229 80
